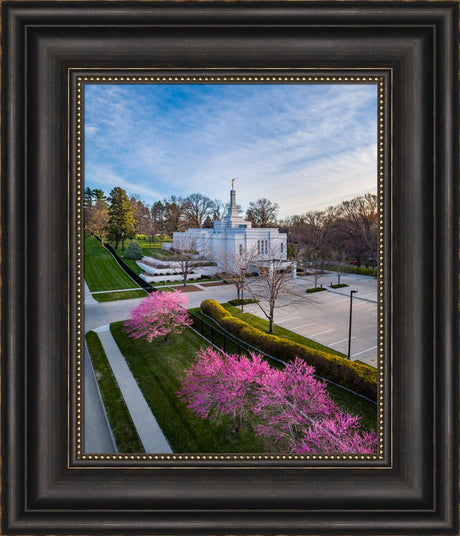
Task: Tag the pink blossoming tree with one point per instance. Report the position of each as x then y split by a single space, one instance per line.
297 415
220 384
158 315
291 409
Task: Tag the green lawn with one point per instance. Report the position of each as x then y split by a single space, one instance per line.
115 296
101 270
160 254
355 405
122 426
149 249
157 367
131 263
189 282
262 324
349 402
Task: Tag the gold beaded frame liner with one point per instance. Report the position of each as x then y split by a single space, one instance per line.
382 81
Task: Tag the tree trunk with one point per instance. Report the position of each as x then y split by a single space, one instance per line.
236 423
270 324
116 244
166 337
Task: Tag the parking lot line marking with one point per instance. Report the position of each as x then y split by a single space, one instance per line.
321 332
303 325
337 342
289 319
364 351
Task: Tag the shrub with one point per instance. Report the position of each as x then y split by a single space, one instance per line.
339 285
243 302
353 270
356 376
133 251
365 271
313 290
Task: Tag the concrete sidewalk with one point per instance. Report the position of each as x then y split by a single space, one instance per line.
89 300
98 435
150 434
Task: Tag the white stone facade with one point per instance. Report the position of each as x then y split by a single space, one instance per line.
233 236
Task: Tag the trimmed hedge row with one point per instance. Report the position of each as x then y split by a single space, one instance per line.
349 269
356 376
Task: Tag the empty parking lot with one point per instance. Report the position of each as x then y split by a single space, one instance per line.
324 316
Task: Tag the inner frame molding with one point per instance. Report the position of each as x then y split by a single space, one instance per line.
46 488
383 82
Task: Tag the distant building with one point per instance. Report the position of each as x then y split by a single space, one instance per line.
231 236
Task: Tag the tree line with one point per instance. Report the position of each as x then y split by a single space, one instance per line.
347 231
117 213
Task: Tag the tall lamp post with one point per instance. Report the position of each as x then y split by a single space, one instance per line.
349 328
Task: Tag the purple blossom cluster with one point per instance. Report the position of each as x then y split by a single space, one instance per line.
291 409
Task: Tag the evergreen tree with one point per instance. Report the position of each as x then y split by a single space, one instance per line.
133 251
121 220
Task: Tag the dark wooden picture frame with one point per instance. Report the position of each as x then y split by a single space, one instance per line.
414 487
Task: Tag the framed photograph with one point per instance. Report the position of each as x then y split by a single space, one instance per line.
230 268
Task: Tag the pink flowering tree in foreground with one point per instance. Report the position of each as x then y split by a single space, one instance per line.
292 410
158 315
296 414
220 384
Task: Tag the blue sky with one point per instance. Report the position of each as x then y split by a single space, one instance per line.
304 146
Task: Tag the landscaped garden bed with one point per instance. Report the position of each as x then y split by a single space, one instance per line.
315 289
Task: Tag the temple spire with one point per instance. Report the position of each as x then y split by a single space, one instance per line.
233 209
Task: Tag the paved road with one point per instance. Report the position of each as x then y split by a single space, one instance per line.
106 312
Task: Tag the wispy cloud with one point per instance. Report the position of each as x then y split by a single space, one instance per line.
303 146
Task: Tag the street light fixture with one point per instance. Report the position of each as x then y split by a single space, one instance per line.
349 328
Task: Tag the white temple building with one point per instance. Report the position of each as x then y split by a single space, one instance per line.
233 236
